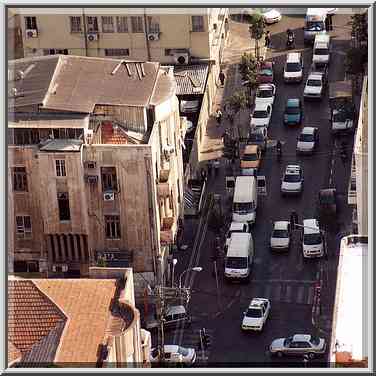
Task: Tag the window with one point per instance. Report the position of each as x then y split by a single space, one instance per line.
122 24
116 51
108 24
153 25
112 224
75 24
60 167
92 24
63 203
19 179
109 182
53 51
198 23
167 51
23 226
137 24
30 22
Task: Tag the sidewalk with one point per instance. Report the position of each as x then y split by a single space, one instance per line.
239 43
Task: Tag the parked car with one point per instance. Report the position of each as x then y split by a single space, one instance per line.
298 344
308 140
256 315
175 316
174 354
328 202
265 93
315 86
319 68
250 160
261 115
312 239
293 112
293 71
259 137
292 180
190 127
270 15
265 74
280 237
234 228
189 106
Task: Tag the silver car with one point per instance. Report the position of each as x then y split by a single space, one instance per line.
298 345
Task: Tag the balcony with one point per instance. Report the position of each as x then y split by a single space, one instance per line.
168 230
164 183
351 195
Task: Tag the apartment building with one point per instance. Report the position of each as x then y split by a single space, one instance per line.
75 323
358 185
95 164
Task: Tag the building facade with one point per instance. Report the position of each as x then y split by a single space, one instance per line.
95 163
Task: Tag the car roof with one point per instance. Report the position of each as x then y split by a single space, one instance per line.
293 169
308 130
301 337
235 226
321 45
266 87
258 130
315 76
293 57
174 310
261 106
256 302
266 64
239 243
251 149
293 102
310 225
281 225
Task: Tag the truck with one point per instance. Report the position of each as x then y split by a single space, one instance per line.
343 112
314 23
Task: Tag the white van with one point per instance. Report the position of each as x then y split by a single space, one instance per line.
321 49
314 23
293 71
245 199
239 257
312 240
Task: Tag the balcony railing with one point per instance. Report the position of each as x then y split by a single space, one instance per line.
168 230
164 183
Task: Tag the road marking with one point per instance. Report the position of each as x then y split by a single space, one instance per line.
300 295
310 295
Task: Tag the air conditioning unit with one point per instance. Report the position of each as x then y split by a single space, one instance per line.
64 268
181 58
91 37
32 33
92 179
215 26
153 36
109 196
169 149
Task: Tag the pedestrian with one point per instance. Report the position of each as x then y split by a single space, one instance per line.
267 39
218 116
222 77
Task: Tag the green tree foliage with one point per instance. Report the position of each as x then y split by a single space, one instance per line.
257 26
359 28
355 59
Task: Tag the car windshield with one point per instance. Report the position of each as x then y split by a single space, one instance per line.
292 110
321 51
266 72
232 232
340 117
236 262
312 239
315 25
250 157
183 351
306 137
292 178
315 340
316 83
154 352
260 114
253 313
327 198
264 93
243 207
293 67
280 234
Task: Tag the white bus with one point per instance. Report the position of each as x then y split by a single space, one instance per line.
349 340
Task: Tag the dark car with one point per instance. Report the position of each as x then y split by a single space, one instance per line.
328 202
293 112
265 74
258 136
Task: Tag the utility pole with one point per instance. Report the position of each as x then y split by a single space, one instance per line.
160 310
85 31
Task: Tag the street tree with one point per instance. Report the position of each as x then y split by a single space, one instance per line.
238 101
248 70
256 29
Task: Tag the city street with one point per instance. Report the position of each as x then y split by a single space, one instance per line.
286 279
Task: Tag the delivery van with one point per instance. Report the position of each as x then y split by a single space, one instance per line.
245 199
314 23
239 257
321 49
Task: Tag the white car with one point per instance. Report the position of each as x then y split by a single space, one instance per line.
307 140
265 94
174 354
256 314
312 239
280 238
342 120
236 227
315 86
292 180
270 15
261 115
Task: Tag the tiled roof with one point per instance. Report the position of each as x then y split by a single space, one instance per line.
63 145
13 352
31 315
112 136
191 79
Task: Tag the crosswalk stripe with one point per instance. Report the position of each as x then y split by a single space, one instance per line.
310 295
300 295
288 294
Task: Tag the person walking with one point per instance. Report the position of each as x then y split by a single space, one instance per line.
267 39
222 78
218 116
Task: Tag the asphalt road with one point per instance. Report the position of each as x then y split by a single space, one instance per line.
288 280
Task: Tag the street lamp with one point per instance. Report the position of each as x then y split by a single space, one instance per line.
195 269
174 262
